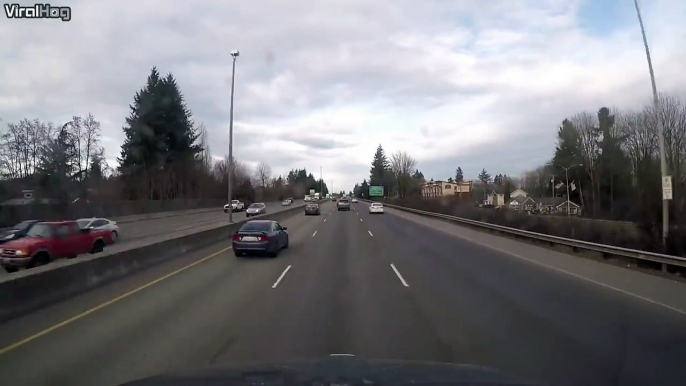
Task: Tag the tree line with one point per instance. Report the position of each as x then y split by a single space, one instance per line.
612 159
608 160
165 156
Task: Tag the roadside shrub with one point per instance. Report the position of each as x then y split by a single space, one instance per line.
621 234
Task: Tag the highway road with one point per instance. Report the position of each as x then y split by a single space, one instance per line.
381 286
146 228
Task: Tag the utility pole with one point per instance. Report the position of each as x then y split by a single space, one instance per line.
666 180
321 184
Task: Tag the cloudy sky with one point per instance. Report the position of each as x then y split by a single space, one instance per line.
477 84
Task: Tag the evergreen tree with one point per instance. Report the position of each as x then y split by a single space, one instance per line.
459 176
484 177
159 138
378 174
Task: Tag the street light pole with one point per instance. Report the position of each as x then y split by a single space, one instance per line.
660 130
567 179
234 54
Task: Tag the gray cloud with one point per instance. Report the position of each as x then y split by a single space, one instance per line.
481 84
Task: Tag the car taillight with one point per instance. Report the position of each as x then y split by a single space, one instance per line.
264 238
237 238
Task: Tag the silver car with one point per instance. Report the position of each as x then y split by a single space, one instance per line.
256 209
343 204
100 224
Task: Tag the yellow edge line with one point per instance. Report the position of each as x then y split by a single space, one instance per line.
48 330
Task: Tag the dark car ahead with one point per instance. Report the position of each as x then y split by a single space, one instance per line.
312 209
256 209
17 231
261 236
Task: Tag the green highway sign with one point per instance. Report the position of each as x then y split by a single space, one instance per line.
376 191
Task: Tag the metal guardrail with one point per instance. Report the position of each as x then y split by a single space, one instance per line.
665 260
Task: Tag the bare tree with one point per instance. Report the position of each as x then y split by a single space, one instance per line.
402 166
206 154
20 147
587 126
263 174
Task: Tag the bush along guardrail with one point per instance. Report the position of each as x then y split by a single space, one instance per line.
666 261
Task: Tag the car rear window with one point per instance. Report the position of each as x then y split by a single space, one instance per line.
257 205
376 204
257 226
344 200
312 205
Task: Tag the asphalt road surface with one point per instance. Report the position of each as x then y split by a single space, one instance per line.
146 228
377 286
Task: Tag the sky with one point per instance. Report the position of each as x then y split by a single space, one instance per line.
320 84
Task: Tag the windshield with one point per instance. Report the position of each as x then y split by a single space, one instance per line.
312 206
257 226
40 230
532 154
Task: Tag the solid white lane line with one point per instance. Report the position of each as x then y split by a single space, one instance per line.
315 232
281 277
185 227
325 220
361 220
399 275
370 233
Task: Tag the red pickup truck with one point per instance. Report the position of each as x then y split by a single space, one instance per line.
47 241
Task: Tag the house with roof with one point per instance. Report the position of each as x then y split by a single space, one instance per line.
436 189
522 203
552 205
519 193
496 197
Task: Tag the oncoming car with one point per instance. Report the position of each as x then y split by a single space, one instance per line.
256 209
100 224
265 236
376 207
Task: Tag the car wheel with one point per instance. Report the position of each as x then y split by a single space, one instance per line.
273 254
38 260
286 245
237 253
11 269
226 211
115 236
98 247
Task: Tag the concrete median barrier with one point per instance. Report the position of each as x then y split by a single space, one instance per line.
29 290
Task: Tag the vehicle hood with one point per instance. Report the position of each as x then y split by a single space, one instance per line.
22 243
338 370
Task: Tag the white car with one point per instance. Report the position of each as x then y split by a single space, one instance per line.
354 200
100 224
236 206
376 207
286 203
